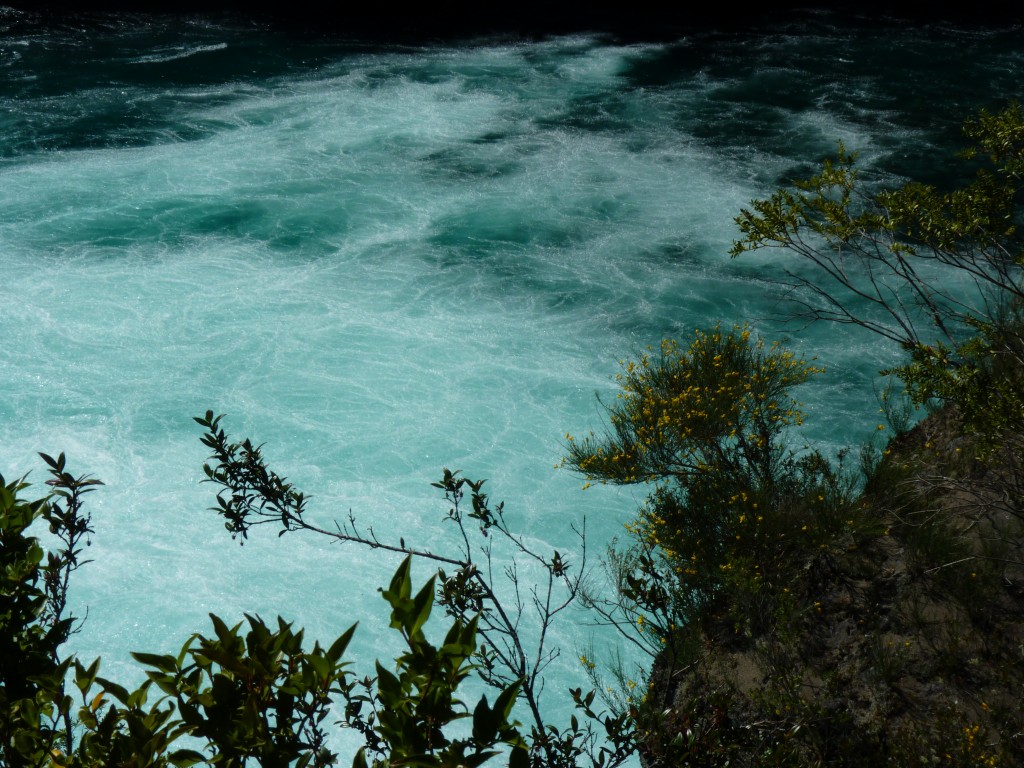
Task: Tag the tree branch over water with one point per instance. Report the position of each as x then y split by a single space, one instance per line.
468 588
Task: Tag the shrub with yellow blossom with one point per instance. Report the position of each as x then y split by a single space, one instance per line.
706 423
719 403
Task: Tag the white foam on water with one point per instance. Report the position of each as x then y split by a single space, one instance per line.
173 53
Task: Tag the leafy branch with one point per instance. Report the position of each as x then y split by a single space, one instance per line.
468 579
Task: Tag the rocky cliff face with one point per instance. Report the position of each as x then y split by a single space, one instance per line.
901 642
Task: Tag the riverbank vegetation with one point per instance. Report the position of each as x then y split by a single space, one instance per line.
832 614
799 609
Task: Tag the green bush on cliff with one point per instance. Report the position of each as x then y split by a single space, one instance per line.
937 271
709 426
800 624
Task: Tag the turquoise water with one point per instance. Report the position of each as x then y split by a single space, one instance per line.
384 260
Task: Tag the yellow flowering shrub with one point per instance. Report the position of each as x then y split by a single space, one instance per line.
705 423
720 400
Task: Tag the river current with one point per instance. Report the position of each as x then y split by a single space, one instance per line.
381 260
